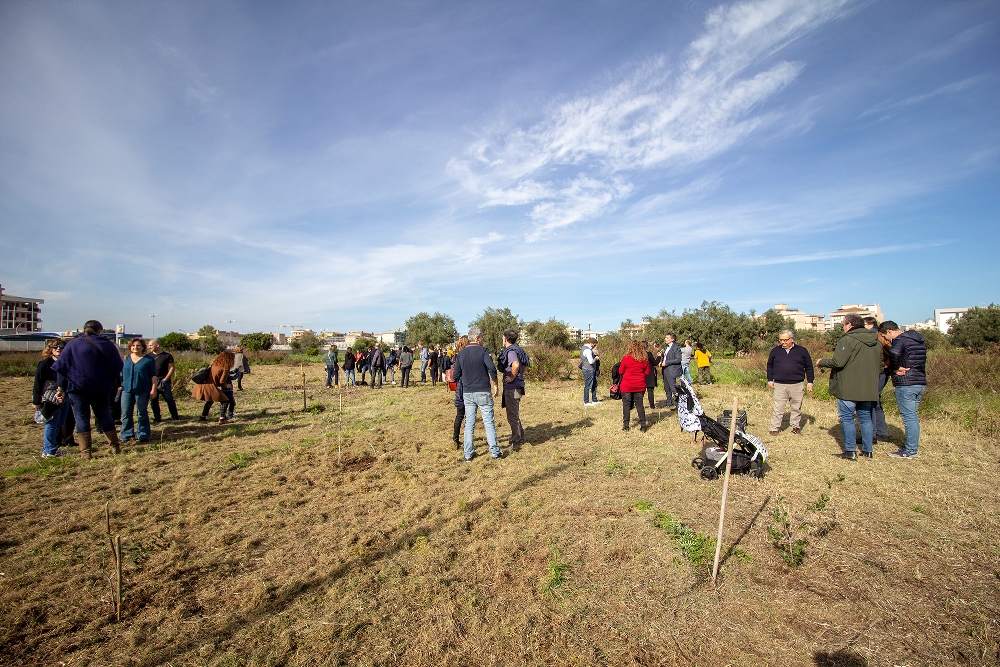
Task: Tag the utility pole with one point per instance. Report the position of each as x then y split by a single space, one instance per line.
153 320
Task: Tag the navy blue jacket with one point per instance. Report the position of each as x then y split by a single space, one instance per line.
908 351
791 366
475 368
672 360
89 364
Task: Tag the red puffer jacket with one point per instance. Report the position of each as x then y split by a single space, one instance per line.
633 374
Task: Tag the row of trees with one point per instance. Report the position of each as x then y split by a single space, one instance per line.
439 329
718 326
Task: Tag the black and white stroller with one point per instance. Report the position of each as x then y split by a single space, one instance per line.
749 452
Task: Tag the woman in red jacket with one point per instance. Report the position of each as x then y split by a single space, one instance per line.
633 369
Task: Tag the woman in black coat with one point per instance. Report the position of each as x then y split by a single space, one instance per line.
651 380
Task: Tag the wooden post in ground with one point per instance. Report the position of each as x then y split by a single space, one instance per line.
118 579
302 367
340 426
725 487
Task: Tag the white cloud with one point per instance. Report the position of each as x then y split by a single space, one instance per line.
579 161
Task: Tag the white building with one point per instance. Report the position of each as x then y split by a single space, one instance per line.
871 310
393 337
943 317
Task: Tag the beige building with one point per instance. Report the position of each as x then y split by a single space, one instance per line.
19 314
803 321
871 310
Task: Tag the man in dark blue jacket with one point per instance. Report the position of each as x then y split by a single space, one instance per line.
787 365
475 368
87 372
908 365
670 368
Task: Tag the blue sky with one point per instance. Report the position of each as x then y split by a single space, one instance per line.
345 165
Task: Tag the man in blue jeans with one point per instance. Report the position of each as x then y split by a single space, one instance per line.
908 365
475 368
854 371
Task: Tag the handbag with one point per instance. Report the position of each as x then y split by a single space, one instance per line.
203 376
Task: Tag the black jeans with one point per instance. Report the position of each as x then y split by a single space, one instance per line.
168 397
512 402
459 418
651 395
406 375
628 400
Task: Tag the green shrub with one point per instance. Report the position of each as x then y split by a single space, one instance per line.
548 363
18 364
978 330
175 341
255 342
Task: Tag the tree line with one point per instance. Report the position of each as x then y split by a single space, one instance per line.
716 324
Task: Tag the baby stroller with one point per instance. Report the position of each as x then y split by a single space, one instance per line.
749 452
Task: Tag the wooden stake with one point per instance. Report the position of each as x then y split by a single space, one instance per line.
725 487
303 369
340 427
118 581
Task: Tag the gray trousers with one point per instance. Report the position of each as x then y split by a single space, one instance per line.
512 403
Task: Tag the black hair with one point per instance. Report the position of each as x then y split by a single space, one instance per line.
510 335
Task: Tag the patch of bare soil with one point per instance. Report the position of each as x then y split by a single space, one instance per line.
361 538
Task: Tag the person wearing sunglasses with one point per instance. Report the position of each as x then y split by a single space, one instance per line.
54 414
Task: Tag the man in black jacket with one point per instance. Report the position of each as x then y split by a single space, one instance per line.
787 365
907 363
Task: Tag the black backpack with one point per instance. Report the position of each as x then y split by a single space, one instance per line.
203 376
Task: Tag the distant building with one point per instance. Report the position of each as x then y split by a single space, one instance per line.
395 337
943 317
351 337
299 332
331 337
19 314
803 321
929 323
871 310
575 335
279 338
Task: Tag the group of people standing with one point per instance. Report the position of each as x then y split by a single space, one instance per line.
382 366
86 377
866 357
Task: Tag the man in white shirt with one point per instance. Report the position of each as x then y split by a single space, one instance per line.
589 358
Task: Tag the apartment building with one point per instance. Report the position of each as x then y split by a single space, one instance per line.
803 321
19 314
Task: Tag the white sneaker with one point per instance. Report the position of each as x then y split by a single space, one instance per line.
595 403
587 405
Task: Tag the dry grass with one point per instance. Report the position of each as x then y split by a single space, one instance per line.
253 545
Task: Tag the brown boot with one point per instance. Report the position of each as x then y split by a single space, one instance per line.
83 441
112 437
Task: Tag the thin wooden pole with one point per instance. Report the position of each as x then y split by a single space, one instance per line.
725 487
118 580
302 368
340 426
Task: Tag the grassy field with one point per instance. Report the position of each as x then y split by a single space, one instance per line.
318 537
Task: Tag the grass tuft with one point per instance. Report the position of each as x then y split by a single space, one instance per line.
555 574
697 548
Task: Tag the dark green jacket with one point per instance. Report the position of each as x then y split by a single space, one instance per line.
855 366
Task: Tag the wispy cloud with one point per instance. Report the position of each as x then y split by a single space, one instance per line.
889 106
581 160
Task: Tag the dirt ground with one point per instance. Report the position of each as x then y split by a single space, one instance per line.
360 538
